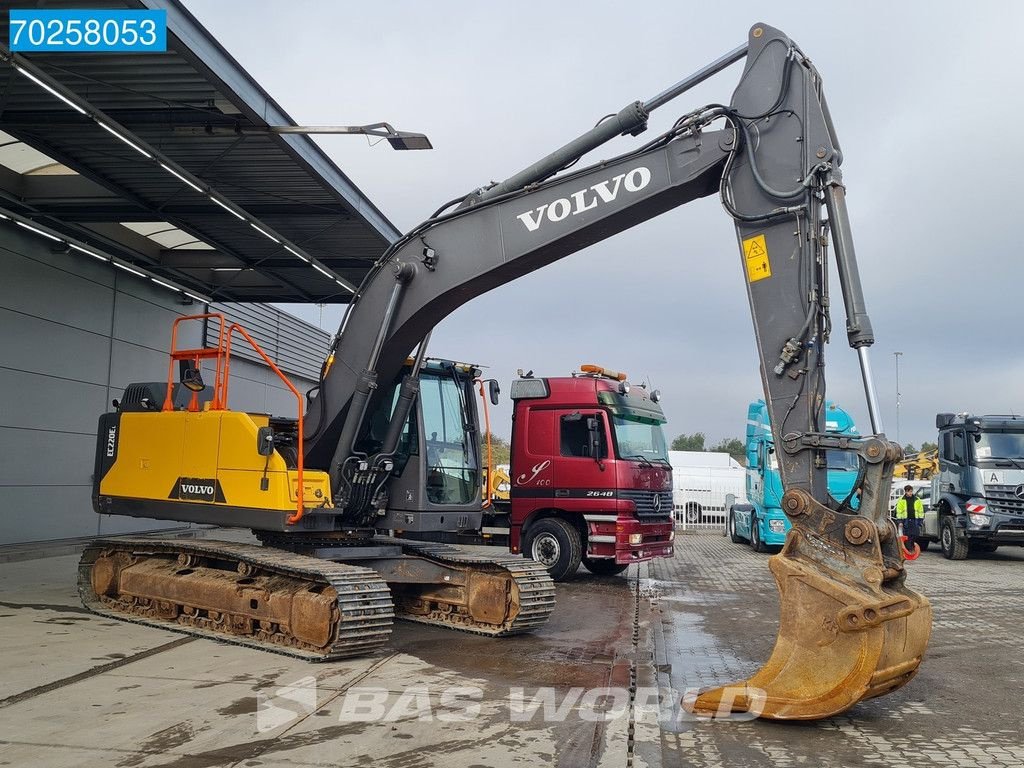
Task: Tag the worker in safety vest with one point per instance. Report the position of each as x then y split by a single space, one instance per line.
910 513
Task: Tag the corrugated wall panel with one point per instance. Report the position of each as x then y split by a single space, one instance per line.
296 347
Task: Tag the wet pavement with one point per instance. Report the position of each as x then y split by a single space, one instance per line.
596 687
716 606
83 690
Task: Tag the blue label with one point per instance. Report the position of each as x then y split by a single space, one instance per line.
88 30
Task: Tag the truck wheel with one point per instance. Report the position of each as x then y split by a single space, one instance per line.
952 547
556 545
735 537
604 566
755 537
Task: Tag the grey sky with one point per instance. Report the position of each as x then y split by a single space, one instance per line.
925 97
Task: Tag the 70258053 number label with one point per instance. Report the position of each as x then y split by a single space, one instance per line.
83 29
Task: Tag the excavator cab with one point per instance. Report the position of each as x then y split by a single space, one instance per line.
435 479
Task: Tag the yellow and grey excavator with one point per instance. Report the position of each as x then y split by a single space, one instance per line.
388 442
497 483
918 466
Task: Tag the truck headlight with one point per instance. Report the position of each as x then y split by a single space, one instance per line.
672 535
981 521
777 526
636 538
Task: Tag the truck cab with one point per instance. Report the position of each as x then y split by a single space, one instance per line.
762 521
978 491
591 481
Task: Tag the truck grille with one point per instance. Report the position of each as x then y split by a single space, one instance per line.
1001 499
645 505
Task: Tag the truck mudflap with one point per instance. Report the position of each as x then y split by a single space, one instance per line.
849 628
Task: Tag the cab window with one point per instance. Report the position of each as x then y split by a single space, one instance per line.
959 448
574 437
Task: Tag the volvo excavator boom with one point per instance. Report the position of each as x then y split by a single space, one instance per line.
850 628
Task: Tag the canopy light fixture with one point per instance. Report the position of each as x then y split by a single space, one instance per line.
397 139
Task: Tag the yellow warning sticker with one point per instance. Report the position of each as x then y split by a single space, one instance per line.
756 253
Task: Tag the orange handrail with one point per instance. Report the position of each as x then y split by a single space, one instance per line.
298 396
222 355
487 426
195 355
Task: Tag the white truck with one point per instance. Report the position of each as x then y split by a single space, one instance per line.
701 481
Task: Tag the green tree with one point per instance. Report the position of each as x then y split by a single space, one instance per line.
501 451
909 449
926 446
733 446
694 442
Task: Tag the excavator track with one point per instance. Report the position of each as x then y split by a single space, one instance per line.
496 595
531 590
243 594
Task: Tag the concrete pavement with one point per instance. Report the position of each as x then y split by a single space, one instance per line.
82 690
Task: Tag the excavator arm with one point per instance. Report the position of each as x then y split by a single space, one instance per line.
850 628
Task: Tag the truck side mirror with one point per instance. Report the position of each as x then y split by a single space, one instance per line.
493 391
594 438
943 419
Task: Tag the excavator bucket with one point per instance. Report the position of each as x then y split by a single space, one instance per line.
849 628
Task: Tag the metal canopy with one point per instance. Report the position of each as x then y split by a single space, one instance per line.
284 184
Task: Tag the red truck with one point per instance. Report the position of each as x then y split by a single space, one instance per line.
591 481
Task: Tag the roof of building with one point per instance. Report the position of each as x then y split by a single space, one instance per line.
162 160
702 460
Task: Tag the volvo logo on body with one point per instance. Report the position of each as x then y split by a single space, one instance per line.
197 489
1019 491
586 199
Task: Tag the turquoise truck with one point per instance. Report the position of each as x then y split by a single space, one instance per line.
762 522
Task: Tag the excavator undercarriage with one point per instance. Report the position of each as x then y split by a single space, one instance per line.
275 598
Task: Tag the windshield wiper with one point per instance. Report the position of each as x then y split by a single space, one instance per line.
1015 463
643 459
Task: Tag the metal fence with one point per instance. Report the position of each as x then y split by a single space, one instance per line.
705 508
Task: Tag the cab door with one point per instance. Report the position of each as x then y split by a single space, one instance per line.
582 469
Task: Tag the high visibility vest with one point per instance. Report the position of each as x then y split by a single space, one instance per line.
901 508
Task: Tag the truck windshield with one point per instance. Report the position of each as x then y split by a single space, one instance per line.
639 437
844 461
999 445
451 458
